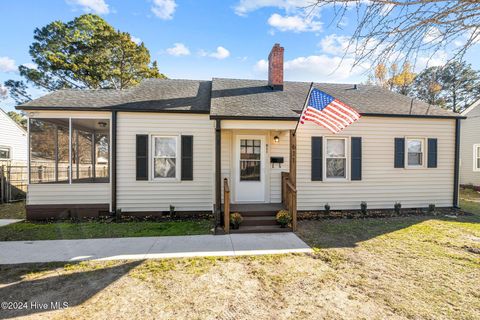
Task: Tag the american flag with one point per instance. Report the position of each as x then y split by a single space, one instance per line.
330 113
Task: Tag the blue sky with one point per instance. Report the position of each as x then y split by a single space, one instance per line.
195 39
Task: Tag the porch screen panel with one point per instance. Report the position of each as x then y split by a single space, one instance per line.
49 149
250 159
90 150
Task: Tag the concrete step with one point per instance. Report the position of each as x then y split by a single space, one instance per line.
257 213
260 229
259 221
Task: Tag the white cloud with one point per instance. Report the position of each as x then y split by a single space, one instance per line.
433 35
296 23
7 65
178 49
95 6
221 53
3 92
334 44
164 9
138 41
246 6
321 68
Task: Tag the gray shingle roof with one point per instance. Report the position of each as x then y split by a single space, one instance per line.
230 98
244 98
151 94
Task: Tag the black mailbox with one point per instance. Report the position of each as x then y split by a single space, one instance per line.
276 160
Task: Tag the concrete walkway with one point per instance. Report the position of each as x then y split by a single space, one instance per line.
6 222
13 252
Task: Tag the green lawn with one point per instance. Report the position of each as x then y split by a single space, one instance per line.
470 200
392 268
87 230
15 210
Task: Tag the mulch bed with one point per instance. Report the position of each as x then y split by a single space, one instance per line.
378 213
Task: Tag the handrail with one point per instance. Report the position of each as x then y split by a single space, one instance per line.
226 205
291 186
291 202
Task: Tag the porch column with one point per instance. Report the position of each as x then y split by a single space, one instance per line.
218 173
293 158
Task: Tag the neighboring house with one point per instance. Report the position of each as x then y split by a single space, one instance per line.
470 146
13 141
172 142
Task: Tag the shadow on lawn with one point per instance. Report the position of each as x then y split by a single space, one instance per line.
347 233
74 288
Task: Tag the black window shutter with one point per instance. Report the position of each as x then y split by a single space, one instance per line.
432 153
399 152
187 157
356 158
317 158
142 157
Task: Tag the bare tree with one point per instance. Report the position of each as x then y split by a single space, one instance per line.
401 30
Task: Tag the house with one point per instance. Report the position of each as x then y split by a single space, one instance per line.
186 143
13 141
470 146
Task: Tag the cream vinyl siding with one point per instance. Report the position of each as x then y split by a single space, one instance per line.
13 137
133 195
280 149
381 185
64 193
470 135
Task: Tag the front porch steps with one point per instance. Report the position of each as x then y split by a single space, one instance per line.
258 218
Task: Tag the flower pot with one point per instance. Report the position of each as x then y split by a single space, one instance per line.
283 225
235 226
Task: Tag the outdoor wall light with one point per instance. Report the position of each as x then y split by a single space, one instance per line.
102 124
276 139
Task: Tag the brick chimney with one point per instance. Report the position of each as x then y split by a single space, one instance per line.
275 67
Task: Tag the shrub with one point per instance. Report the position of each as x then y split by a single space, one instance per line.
431 208
283 217
327 208
397 207
363 207
236 218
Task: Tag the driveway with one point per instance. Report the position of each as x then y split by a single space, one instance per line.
13 252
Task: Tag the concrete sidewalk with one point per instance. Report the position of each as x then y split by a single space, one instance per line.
6 222
13 252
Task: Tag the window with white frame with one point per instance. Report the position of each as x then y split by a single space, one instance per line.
165 157
4 153
336 158
476 157
415 152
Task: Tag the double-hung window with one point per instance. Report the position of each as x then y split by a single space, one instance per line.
4 153
415 152
165 152
476 157
336 158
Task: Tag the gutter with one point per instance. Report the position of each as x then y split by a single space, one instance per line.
457 164
114 163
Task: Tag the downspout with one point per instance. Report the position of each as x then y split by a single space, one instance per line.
457 164
114 163
218 174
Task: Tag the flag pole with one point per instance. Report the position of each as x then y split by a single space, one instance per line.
304 104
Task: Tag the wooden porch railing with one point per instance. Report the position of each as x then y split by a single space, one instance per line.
289 198
226 205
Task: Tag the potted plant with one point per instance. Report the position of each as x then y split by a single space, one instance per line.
283 218
327 208
363 207
397 207
236 219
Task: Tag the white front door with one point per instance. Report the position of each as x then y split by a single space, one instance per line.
250 168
